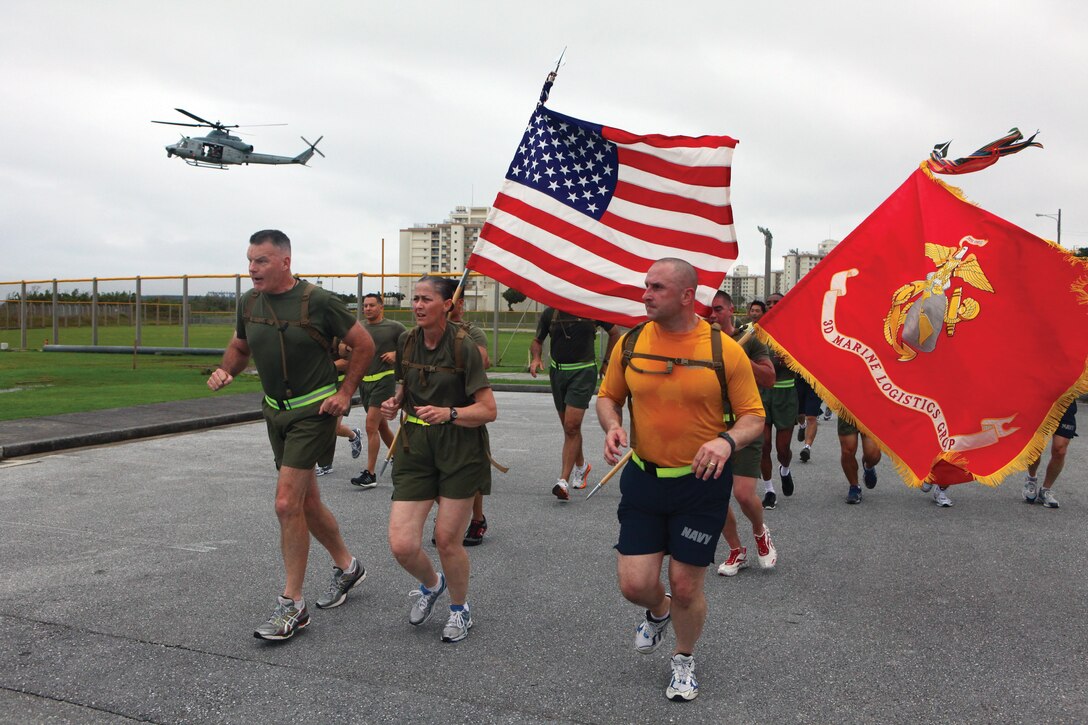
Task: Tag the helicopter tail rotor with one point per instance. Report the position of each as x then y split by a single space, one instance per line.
313 146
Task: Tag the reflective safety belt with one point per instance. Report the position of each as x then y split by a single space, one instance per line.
573 366
417 421
377 376
303 400
655 470
784 383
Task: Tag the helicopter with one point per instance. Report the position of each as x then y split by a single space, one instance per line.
219 149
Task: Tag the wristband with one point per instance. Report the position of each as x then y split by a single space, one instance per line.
729 439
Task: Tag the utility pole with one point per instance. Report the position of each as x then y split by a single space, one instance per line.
1058 218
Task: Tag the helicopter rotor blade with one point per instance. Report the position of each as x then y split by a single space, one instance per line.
196 117
314 145
256 125
178 123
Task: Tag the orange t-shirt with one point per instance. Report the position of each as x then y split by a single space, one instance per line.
676 413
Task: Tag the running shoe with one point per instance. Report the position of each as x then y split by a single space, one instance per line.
457 626
1031 489
827 414
475 534
561 491
342 582
806 454
738 559
800 434
366 479
1048 498
320 470
927 487
578 479
765 551
356 443
941 498
787 482
682 687
769 500
424 601
648 634
869 475
286 619
855 495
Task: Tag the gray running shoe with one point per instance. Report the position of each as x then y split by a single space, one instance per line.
357 443
342 582
648 634
1031 489
284 622
927 487
457 626
320 470
425 601
941 498
682 687
1048 498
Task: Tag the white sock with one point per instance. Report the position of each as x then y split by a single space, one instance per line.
808 446
783 470
768 486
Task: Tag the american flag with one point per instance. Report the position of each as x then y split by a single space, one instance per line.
586 209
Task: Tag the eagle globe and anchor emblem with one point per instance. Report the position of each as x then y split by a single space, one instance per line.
921 308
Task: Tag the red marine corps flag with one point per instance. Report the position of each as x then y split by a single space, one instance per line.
949 334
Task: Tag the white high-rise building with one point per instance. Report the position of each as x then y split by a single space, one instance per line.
444 247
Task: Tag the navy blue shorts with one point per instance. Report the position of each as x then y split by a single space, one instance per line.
682 517
1067 428
807 399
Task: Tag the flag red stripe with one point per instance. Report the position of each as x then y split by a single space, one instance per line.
696 175
540 294
668 142
602 247
680 240
559 267
671 202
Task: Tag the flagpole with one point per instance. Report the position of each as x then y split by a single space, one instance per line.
547 89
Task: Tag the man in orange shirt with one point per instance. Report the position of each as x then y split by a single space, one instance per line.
675 491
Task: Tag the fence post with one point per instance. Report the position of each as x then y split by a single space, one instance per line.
495 336
94 311
237 294
139 313
56 313
185 310
359 297
22 315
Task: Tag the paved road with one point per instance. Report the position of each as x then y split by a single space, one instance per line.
132 575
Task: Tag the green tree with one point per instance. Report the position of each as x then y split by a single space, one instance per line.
512 297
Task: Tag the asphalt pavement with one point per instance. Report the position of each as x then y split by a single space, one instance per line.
133 574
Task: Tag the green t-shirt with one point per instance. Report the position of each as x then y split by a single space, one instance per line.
476 334
755 349
385 334
309 366
440 388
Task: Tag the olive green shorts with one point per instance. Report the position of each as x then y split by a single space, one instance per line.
847 429
746 460
781 406
302 437
573 388
375 393
441 460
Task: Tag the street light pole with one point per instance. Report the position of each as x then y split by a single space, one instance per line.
1058 218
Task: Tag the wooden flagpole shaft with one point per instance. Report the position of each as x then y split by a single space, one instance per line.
619 464
392 450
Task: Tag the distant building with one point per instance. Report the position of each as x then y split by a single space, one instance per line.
444 247
743 286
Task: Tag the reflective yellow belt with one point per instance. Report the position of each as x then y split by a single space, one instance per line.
655 470
302 400
573 366
784 383
417 421
377 376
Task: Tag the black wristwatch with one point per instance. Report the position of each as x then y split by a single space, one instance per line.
729 439
453 414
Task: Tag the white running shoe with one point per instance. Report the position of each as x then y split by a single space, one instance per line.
1048 498
1031 489
765 551
579 475
738 559
457 626
941 498
927 487
561 490
648 634
356 443
683 686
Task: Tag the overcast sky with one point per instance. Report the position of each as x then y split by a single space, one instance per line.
423 103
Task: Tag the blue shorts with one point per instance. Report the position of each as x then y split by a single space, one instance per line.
682 517
1067 428
807 400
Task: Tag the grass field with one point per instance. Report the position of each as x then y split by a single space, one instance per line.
35 383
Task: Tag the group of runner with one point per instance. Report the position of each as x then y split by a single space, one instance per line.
675 490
